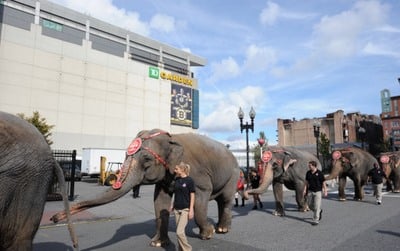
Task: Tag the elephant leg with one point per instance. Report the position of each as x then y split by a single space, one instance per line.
162 203
207 229
278 194
342 185
224 203
300 199
358 189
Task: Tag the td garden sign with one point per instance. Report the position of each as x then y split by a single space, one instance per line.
154 72
184 98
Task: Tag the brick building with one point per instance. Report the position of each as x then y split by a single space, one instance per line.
358 129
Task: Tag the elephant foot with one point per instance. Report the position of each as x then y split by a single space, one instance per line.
276 213
222 230
396 191
159 243
207 234
305 209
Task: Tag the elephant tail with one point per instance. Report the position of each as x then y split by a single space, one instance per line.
61 180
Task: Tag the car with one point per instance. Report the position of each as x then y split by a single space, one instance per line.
66 167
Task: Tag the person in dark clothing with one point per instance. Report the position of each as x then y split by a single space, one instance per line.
377 174
183 205
255 183
135 191
313 188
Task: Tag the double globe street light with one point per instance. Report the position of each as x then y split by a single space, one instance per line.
246 127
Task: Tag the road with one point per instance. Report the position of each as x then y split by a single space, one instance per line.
128 224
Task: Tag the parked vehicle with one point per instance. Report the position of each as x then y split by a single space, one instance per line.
91 159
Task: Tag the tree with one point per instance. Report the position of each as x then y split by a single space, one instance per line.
40 123
324 150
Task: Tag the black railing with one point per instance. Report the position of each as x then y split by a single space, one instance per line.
68 162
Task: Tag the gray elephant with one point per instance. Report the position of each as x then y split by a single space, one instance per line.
354 163
27 168
285 166
151 159
391 165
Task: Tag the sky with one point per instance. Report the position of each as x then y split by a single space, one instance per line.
285 58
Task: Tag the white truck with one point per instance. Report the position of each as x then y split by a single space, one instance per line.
91 159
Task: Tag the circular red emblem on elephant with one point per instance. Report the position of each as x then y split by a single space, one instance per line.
267 156
134 146
336 155
384 159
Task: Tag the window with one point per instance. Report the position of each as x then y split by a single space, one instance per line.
52 25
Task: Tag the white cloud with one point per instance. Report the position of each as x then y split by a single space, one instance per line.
162 23
223 115
338 36
105 10
225 69
375 49
259 58
270 14
273 12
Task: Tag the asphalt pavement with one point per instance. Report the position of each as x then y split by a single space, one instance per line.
128 224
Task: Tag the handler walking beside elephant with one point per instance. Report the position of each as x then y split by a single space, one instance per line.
313 188
377 175
183 203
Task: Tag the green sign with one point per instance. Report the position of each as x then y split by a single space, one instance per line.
154 72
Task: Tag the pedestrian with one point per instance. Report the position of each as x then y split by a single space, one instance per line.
240 187
136 190
377 174
314 185
255 183
183 205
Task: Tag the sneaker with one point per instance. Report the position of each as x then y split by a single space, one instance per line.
379 202
314 223
320 215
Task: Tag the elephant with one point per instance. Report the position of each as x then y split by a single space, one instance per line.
27 169
354 163
151 158
285 166
391 165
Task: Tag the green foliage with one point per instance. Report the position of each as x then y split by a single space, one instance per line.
40 123
324 145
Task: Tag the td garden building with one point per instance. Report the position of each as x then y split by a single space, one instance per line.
98 84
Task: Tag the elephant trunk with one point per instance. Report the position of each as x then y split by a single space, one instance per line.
130 180
336 169
266 181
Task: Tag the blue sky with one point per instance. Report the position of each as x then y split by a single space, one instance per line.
287 58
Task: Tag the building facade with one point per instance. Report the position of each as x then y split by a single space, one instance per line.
391 118
340 129
97 83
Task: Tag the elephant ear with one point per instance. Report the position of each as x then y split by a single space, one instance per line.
175 155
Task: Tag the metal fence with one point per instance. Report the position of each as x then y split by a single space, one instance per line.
67 161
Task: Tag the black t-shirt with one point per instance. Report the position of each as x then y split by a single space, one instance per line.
315 180
376 175
183 188
255 181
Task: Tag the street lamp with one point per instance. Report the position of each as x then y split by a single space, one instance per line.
316 126
246 127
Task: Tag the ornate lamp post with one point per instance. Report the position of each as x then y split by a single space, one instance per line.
246 127
317 126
